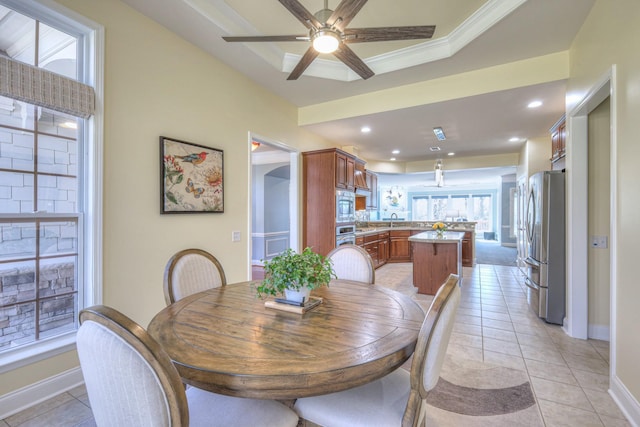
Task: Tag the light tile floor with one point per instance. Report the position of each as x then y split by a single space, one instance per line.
497 342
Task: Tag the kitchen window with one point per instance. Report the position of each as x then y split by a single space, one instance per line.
477 206
50 181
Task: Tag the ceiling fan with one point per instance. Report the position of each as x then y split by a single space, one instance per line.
328 33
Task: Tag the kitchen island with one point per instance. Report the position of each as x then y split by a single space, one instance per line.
434 258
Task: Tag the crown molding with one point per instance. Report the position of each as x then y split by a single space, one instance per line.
489 14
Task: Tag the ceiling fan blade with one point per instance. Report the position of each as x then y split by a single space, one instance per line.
305 61
344 13
361 35
349 57
300 12
292 38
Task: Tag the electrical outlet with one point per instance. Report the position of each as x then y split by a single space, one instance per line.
600 242
235 236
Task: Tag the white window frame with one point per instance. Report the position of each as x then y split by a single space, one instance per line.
90 132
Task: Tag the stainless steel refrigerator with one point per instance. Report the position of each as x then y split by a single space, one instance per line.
545 231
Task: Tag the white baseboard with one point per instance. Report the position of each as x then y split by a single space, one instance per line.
18 400
599 332
625 400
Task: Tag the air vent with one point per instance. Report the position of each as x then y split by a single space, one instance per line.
434 148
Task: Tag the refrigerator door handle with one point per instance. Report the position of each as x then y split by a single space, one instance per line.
530 284
532 262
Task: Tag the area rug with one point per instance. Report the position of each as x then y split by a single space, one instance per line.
481 402
491 252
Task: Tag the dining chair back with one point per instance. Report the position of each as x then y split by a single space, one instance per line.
351 262
399 398
131 381
190 271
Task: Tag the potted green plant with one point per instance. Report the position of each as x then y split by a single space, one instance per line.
295 275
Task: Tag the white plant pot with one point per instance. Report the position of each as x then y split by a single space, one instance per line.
297 296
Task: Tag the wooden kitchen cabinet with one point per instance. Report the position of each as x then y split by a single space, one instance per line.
467 249
322 172
433 262
377 246
399 246
383 248
558 140
345 171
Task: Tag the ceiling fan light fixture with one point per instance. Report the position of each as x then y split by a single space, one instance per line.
326 41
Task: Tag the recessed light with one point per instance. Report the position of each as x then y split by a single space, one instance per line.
514 139
393 159
451 154
534 104
395 152
434 148
365 129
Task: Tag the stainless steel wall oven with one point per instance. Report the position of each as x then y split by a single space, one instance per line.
345 235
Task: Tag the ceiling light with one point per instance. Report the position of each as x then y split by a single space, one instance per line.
451 154
365 129
439 133
395 152
393 159
326 41
534 104
514 139
434 148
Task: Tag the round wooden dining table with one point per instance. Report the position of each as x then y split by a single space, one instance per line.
227 341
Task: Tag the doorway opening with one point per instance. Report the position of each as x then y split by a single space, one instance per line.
273 225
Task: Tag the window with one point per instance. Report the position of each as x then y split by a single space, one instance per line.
455 207
48 175
483 212
439 207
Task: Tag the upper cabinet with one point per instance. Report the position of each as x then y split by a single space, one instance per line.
345 171
360 176
558 139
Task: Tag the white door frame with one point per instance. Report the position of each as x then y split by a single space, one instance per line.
293 193
577 320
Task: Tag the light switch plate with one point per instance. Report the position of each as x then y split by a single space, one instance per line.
600 242
235 236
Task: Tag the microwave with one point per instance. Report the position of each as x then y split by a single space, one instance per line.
345 206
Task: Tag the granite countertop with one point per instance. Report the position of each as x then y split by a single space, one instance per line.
378 227
432 237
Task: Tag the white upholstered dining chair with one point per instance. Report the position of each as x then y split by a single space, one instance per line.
351 262
399 398
190 271
131 381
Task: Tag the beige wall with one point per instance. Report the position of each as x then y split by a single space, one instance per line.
609 36
599 218
534 157
158 84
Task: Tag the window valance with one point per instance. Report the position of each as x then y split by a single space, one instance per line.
46 89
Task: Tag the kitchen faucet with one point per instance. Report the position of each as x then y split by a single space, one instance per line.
391 221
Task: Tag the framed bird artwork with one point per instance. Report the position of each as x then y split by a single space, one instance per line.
191 177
